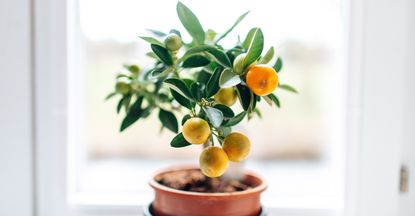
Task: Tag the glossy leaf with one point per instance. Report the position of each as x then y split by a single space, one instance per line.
215 116
135 113
191 23
169 120
217 54
152 40
212 85
185 118
240 18
182 100
161 73
227 112
196 90
255 47
179 86
245 96
179 141
229 79
163 54
195 61
235 120
203 76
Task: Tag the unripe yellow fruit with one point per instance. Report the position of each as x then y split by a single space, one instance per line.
173 42
122 87
237 146
226 96
213 161
238 63
196 130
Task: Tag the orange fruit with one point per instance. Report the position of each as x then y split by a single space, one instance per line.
237 146
213 161
226 96
196 130
262 79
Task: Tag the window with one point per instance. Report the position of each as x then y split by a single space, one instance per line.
302 161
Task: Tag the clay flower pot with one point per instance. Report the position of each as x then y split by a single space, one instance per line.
173 202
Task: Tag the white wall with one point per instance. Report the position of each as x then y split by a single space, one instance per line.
386 108
15 109
407 203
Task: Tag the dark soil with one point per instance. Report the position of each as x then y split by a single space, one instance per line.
195 181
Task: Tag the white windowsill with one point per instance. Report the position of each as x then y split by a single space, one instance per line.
293 187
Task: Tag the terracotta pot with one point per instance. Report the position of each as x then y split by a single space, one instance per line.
173 202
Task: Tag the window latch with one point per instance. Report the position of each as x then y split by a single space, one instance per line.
404 179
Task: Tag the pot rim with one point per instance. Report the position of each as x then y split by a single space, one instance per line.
154 184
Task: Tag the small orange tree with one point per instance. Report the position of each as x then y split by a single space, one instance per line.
206 79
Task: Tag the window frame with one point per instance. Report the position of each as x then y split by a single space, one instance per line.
52 23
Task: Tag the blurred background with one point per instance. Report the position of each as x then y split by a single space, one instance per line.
310 39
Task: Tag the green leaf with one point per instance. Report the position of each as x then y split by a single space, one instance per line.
267 57
287 88
180 87
229 79
274 98
227 112
203 76
233 26
268 100
245 44
218 55
169 120
179 141
161 73
132 68
185 118
191 23
135 113
212 85
235 120
258 112
255 47
152 40
245 96
175 31
110 95
278 65
196 89
215 116
225 131
157 32
163 54
182 100
125 101
195 61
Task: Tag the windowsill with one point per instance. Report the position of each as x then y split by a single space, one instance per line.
311 187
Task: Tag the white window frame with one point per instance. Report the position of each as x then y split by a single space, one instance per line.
51 74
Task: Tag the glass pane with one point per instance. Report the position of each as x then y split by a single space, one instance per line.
307 34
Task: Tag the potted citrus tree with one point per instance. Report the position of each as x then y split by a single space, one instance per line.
201 81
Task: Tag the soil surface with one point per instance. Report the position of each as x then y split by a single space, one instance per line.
195 181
